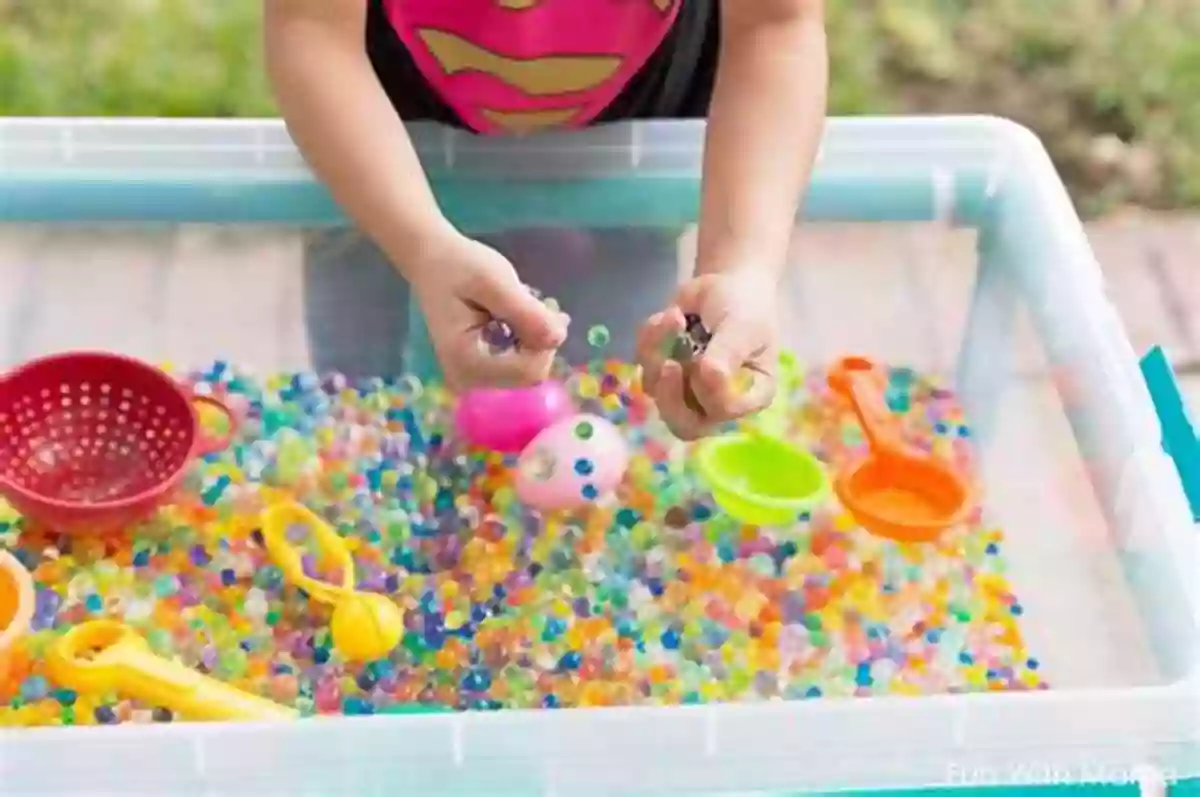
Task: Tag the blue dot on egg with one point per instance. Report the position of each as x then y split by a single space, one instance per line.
584 467
590 492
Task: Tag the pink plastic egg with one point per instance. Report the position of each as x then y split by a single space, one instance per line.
507 419
572 463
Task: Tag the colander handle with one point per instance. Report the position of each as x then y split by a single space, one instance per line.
210 444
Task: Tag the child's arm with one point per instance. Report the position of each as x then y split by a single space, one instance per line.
764 127
765 124
342 120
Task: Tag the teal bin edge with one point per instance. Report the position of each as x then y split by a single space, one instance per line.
1178 430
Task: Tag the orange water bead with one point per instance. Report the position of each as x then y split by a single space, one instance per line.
50 571
15 667
446 659
659 674
763 657
594 693
284 687
166 616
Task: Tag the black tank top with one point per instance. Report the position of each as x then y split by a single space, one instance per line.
676 82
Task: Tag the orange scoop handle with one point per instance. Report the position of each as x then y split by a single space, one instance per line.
104 656
861 382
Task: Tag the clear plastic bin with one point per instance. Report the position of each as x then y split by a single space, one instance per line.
184 241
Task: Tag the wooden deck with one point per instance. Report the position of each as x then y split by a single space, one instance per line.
197 292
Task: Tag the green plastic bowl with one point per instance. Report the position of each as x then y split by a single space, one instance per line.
761 480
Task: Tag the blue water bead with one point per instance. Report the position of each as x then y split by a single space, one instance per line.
366 679
357 707
627 518
701 512
477 680
550 701
555 628
320 655
141 558
812 692
382 669
862 674
105 715
45 608
35 687
902 377
627 628
898 400
570 661
66 697
306 382
213 494
670 639
165 585
966 658
93 603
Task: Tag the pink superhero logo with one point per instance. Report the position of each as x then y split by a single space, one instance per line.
522 65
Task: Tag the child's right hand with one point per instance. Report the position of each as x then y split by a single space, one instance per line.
465 285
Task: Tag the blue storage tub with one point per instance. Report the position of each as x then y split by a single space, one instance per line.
1099 532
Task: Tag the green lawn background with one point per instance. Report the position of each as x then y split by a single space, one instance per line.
1112 86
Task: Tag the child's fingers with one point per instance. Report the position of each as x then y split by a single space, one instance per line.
475 367
683 422
534 324
726 397
652 346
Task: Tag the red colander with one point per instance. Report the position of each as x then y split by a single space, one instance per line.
92 443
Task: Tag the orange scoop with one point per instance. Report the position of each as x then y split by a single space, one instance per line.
896 492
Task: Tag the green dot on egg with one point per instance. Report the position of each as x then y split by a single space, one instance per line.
584 430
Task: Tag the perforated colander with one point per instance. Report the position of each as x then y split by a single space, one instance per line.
94 442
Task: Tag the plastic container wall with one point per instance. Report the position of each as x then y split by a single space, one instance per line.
1034 269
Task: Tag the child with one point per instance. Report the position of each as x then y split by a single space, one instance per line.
348 73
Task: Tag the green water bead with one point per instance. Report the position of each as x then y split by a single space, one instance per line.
598 336
305 706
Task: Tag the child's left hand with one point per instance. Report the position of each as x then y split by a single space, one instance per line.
735 375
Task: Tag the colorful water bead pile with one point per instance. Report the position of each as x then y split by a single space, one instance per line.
654 597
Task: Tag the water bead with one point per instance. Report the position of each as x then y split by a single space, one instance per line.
653 597
598 337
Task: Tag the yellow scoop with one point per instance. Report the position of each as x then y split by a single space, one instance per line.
104 656
365 626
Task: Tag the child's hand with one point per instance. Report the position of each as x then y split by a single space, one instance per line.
466 286
735 375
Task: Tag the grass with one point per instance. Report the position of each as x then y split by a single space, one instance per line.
1112 86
